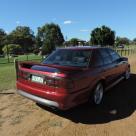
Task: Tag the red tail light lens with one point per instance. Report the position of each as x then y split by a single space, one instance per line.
24 75
59 83
50 81
64 83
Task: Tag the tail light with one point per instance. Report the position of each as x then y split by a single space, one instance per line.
24 75
50 81
59 83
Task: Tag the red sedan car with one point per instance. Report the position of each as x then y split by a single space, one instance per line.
71 76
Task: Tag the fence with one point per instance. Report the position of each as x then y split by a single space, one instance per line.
126 52
33 57
26 57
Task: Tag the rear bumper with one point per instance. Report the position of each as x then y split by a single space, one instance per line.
62 101
39 99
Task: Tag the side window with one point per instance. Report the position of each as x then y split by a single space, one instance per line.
115 56
106 56
97 59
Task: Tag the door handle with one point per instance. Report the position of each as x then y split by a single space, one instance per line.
103 70
116 65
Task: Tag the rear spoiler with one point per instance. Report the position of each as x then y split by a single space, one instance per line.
25 64
28 65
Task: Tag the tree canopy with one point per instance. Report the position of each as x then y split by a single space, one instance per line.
49 37
122 40
2 39
102 36
73 41
12 49
134 41
23 36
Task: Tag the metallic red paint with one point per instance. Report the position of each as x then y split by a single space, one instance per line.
84 80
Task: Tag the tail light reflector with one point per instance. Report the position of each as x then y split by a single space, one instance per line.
24 75
59 83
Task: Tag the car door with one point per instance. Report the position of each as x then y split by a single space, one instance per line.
109 68
102 65
119 64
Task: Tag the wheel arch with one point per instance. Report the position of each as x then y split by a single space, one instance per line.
102 81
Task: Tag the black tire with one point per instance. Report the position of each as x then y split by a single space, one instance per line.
97 94
127 74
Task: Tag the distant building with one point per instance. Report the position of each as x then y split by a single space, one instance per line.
80 43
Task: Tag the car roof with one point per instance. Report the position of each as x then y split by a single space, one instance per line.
81 47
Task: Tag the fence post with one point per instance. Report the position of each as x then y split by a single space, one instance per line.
117 51
27 56
8 58
42 57
128 51
16 67
8 53
125 52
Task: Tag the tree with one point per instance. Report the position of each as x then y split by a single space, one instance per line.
134 41
73 41
122 40
23 36
102 36
12 49
49 37
2 39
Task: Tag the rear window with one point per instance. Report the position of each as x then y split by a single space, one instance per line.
68 57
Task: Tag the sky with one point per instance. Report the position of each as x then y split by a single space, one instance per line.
76 18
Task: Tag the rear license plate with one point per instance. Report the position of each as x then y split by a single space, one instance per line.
37 79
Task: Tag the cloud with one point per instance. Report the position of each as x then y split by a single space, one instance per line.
84 30
17 22
7 32
68 22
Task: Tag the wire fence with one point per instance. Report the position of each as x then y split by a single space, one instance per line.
33 57
25 57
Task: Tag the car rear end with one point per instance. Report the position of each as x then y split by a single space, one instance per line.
44 85
60 81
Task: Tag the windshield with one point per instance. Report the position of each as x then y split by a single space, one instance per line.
65 57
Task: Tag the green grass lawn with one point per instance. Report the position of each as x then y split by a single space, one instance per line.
7 76
21 58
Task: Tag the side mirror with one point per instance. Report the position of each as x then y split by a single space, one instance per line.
123 59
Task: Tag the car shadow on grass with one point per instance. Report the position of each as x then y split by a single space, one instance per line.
118 103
